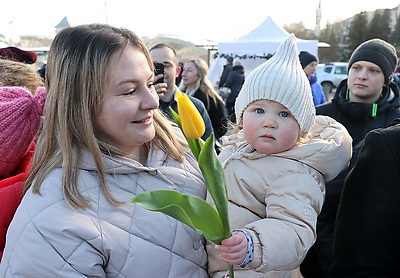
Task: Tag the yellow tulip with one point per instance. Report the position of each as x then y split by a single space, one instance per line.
192 123
212 223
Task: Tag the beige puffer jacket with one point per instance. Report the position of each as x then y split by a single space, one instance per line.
49 239
278 197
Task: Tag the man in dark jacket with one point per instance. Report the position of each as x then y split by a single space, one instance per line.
366 100
367 242
225 72
234 82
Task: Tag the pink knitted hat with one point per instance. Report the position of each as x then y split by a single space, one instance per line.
20 120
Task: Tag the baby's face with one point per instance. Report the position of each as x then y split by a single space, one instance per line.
269 127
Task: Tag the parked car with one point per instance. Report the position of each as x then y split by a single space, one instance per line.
329 76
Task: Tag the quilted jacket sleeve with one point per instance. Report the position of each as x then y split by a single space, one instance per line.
284 236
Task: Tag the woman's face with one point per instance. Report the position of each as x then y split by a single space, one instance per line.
125 118
190 74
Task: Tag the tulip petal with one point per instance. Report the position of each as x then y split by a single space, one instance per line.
192 123
191 142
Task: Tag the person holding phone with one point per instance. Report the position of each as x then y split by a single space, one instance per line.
166 55
159 72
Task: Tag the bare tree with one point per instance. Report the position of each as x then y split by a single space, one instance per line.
357 32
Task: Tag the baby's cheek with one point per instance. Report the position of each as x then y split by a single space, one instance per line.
249 132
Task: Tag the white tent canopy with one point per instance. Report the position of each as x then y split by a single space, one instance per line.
260 42
263 40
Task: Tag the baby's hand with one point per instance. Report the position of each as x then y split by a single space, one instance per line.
233 250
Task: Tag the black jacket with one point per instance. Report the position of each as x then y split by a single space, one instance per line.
367 241
224 75
234 82
216 111
358 119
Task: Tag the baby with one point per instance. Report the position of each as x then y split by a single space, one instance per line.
276 165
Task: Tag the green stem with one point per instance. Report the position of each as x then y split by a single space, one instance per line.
198 146
231 273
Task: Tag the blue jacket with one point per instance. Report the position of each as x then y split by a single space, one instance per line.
317 92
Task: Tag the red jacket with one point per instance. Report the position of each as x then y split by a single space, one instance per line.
11 194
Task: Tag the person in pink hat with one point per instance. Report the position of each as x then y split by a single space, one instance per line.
20 121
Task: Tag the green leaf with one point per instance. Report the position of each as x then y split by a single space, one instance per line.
193 147
175 117
190 210
214 176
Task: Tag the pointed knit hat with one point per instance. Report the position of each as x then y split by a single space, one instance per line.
20 120
283 80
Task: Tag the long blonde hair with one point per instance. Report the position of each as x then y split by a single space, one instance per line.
203 83
75 83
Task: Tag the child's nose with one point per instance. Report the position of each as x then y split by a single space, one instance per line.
270 123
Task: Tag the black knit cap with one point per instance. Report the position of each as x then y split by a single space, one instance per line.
380 53
306 58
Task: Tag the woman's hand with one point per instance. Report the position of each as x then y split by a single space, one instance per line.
233 250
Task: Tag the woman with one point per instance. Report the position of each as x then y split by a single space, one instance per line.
103 142
196 84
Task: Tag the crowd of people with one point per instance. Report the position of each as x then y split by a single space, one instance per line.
312 185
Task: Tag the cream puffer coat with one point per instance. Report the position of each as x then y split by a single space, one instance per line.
49 239
278 197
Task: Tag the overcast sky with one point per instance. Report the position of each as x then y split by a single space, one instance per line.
217 20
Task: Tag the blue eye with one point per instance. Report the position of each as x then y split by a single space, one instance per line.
284 114
259 110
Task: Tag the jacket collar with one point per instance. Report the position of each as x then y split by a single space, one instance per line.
359 111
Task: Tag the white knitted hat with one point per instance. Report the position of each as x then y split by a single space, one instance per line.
283 80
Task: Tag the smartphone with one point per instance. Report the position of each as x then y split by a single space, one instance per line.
159 69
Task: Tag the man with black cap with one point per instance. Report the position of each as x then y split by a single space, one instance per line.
366 100
309 64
